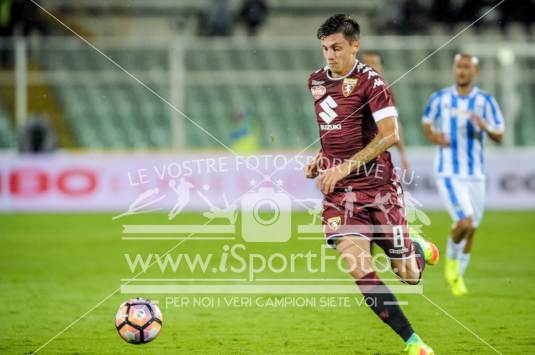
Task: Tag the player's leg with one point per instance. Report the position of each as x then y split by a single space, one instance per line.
408 252
409 269
355 250
476 191
460 236
455 196
464 253
391 234
461 229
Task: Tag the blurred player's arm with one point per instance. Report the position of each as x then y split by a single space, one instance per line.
493 133
429 118
434 136
387 136
402 152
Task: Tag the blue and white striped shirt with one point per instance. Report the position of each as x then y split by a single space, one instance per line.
449 113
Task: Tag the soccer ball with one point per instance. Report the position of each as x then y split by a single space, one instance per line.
138 321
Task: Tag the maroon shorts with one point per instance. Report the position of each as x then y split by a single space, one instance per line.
376 214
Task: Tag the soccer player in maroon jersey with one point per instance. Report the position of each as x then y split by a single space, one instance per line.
357 123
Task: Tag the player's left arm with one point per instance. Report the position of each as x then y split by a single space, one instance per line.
492 122
387 136
493 133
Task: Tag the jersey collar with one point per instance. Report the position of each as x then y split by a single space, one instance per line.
342 77
472 92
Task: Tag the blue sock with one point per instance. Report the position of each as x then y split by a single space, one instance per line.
414 339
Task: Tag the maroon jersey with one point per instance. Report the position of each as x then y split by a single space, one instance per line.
347 109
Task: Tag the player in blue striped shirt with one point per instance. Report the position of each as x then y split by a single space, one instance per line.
457 119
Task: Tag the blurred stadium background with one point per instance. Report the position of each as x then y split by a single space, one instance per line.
73 125
197 55
238 69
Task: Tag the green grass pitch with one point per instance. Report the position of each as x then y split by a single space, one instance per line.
57 267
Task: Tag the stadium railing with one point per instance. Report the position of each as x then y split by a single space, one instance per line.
212 80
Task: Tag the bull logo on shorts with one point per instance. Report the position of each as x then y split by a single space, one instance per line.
334 222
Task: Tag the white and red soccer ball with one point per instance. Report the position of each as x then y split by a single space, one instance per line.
138 321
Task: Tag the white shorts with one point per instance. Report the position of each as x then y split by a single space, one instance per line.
463 198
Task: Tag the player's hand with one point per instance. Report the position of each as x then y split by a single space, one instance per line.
441 139
329 177
311 170
404 163
478 121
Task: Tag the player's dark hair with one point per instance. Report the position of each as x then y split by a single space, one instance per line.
340 23
371 52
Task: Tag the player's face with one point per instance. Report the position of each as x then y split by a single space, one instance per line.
374 61
339 53
465 71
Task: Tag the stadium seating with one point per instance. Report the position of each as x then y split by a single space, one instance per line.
222 78
7 136
111 113
525 126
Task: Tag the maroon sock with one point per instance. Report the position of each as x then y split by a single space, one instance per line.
377 294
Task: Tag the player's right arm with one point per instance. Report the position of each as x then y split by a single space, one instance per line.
434 136
431 113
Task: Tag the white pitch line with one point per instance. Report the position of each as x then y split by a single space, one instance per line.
461 324
178 238
77 320
312 280
179 280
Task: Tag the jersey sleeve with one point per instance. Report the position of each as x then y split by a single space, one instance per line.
493 115
380 99
431 110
